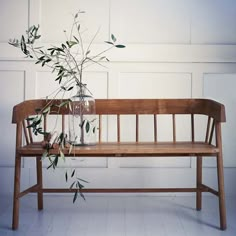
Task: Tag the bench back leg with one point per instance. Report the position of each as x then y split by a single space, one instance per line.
39 182
221 192
199 183
220 174
16 197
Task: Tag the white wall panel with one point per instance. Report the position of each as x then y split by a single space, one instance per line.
151 21
57 16
13 18
155 85
12 92
213 22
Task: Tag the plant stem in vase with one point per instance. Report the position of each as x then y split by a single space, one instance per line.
82 120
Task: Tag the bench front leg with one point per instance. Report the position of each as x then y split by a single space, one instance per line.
16 196
199 183
222 208
220 174
39 182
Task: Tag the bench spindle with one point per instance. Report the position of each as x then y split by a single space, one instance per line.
137 128
30 132
174 128
118 127
45 125
155 127
63 123
100 128
192 128
212 131
208 129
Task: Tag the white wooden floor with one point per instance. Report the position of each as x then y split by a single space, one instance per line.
117 216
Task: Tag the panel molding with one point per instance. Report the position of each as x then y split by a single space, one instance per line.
161 53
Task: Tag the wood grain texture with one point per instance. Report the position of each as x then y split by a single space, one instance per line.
132 106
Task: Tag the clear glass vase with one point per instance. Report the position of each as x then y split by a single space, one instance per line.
82 118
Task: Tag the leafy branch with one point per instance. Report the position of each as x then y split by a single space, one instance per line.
68 62
62 59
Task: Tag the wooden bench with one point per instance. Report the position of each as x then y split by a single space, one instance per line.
210 145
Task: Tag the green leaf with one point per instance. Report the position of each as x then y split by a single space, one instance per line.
55 161
72 185
38 36
22 43
43 63
66 176
64 103
48 60
82 195
59 50
38 47
14 42
62 155
42 132
87 127
63 88
59 78
120 46
46 110
77 40
79 185
71 43
70 88
113 38
75 195
50 49
30 118
109 42
73 173
63 46
50 166
82 180
45 154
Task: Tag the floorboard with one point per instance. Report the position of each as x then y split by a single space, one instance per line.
117 216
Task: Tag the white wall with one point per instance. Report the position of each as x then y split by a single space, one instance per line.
175 49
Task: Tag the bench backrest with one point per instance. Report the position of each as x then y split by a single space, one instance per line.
137 107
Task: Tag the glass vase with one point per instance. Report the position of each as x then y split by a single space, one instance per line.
82 118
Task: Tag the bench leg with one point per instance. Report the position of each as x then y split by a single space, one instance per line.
220 173
16 198
199 182
39 182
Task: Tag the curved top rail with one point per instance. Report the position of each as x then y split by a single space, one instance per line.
130 106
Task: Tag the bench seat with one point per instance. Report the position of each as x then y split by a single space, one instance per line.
129 149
